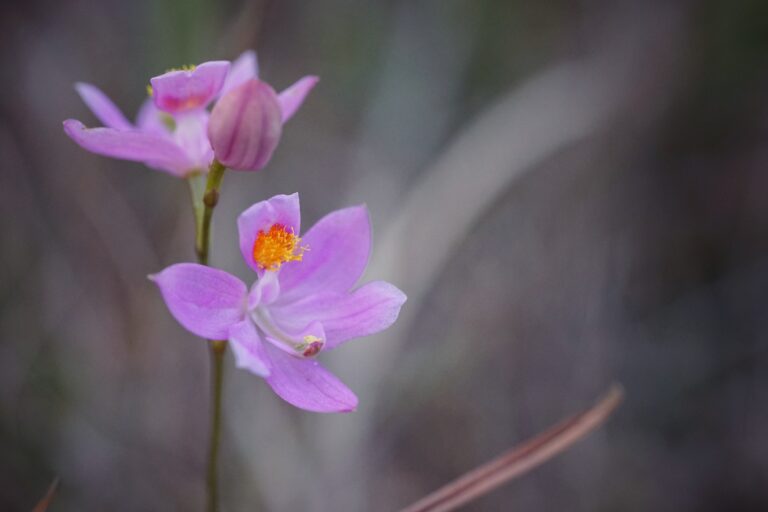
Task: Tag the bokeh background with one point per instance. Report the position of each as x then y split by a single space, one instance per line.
570 192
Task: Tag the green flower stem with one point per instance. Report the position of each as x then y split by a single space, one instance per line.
218 348
196 183
204 211
204 201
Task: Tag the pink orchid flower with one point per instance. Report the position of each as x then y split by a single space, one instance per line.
170 132
304 301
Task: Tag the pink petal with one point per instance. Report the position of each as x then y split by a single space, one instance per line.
305 384
102 107
149 119
370 309
191 135
339 245
242 69
292 98
280 209
206 301
180 91
264 291
137 146
248 348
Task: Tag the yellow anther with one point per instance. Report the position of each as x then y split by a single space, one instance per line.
186 67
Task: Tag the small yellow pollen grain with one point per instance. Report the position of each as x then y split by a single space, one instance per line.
311 339
185 67
276 246
150 91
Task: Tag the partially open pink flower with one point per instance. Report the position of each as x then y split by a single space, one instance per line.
171 130
303 302
159 140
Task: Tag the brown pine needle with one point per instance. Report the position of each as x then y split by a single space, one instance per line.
44 503
519 459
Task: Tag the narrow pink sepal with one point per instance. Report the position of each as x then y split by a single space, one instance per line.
102 107
245 67
292 97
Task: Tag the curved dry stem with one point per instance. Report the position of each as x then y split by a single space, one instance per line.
520 459
44 503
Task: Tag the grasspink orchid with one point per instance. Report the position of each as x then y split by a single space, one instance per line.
302 303
171 130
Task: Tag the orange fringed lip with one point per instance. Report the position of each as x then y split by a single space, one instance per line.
277 246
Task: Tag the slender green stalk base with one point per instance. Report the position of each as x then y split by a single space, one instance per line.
218 348
204 201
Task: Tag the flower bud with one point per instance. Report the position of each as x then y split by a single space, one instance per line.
245 126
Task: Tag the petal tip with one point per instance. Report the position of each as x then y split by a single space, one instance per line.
362 210
72 126
83 89
351 407
401 297
215 64
340 408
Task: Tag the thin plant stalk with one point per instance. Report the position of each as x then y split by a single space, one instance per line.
520 459
204 201
218 348
204 211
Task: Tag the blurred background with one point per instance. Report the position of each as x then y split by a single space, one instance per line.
570 192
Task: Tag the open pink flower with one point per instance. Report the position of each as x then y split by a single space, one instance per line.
170 132
303 302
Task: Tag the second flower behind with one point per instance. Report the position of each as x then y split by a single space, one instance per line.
172 130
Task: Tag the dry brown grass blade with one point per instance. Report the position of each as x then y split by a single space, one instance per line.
520 459
43 504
